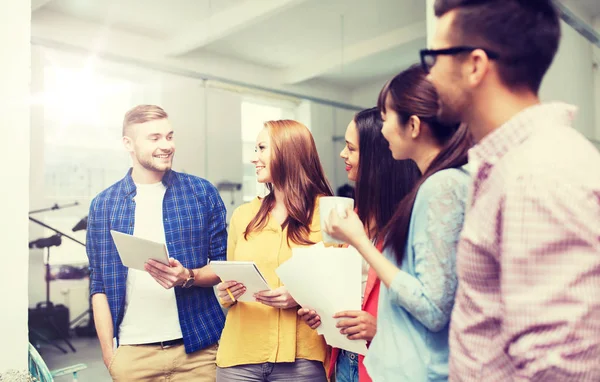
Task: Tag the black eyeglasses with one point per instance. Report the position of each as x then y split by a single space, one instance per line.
429 56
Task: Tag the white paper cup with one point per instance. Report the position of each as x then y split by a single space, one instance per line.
326 204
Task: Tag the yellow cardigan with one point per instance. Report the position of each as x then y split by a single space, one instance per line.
256 333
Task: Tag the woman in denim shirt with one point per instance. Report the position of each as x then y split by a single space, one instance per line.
417 267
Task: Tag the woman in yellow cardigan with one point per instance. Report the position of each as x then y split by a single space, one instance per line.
264 340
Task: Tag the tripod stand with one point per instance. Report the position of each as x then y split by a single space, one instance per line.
89 330
46 312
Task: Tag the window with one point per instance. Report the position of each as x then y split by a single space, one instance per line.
82 132
254 115
83 153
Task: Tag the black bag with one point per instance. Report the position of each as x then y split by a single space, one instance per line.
51 320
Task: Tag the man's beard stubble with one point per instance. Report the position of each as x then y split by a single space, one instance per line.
151 166
452 109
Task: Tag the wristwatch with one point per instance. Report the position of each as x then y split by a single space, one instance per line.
190 280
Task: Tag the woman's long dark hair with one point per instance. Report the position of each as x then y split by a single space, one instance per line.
382 182
411 94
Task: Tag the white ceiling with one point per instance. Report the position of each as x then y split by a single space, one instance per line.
315 27
384 65
591 7
347 43
299 40
155 18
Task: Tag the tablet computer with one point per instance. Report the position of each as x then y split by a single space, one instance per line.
135 251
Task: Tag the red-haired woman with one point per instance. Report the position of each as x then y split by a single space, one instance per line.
264 340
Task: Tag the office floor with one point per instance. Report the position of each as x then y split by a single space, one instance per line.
88 352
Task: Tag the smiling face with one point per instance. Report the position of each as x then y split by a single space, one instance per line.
350 153
262 158
151 145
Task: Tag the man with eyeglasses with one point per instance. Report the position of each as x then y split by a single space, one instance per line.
528 262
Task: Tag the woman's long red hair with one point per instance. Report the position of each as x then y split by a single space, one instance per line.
296 171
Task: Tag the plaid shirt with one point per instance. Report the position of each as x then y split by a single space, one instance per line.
528 301
195 232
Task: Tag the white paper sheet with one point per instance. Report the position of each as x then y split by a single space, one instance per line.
245 272
327 280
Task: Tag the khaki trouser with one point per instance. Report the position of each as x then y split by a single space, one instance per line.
169 364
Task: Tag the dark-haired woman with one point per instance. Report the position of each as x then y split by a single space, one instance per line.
417 266
264 340
381 183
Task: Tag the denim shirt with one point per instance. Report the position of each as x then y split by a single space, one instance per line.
195 232
413 316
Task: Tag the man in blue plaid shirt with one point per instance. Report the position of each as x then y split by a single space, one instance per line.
166 320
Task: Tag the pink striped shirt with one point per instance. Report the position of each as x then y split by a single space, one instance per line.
528 302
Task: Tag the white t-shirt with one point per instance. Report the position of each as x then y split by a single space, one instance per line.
150 310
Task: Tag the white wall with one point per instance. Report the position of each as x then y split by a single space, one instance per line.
14 205
36 181
571 79
322 125
366 95
224 150
184 100
431 20
303 114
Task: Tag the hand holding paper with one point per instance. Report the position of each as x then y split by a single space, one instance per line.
328 281
168 276
309 316
354 324
357 325
277 298
244 273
